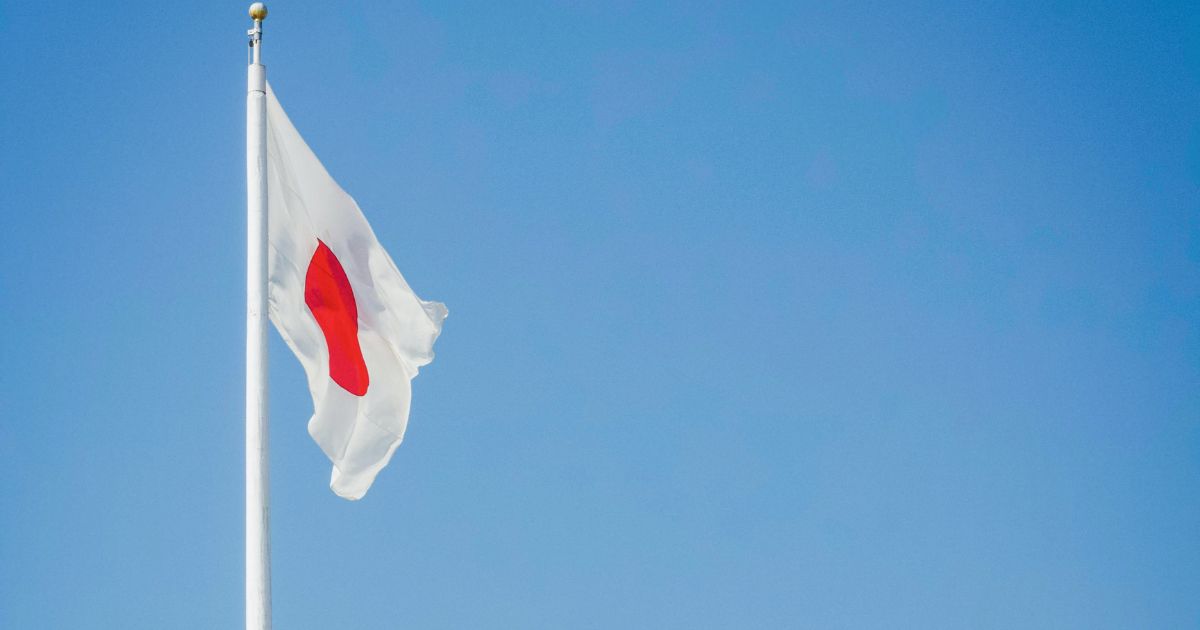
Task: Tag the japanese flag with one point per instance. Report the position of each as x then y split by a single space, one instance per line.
342 306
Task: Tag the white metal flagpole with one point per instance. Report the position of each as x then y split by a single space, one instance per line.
258 540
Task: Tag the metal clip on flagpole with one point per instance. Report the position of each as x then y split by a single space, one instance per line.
258 540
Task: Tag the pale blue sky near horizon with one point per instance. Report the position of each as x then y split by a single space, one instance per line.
762 315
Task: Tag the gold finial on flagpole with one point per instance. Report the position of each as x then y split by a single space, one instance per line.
258 11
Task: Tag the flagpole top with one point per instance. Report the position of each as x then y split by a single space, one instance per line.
258 11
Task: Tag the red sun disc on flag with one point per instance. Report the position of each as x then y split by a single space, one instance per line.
328 294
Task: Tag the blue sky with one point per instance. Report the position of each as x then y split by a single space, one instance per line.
771 315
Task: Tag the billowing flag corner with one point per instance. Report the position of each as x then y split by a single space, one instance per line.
343 308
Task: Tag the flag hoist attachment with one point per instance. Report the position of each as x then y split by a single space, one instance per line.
258 541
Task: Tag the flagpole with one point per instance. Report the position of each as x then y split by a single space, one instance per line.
258 541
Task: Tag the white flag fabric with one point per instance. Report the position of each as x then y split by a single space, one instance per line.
342 306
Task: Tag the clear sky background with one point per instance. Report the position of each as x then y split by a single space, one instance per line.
763 315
